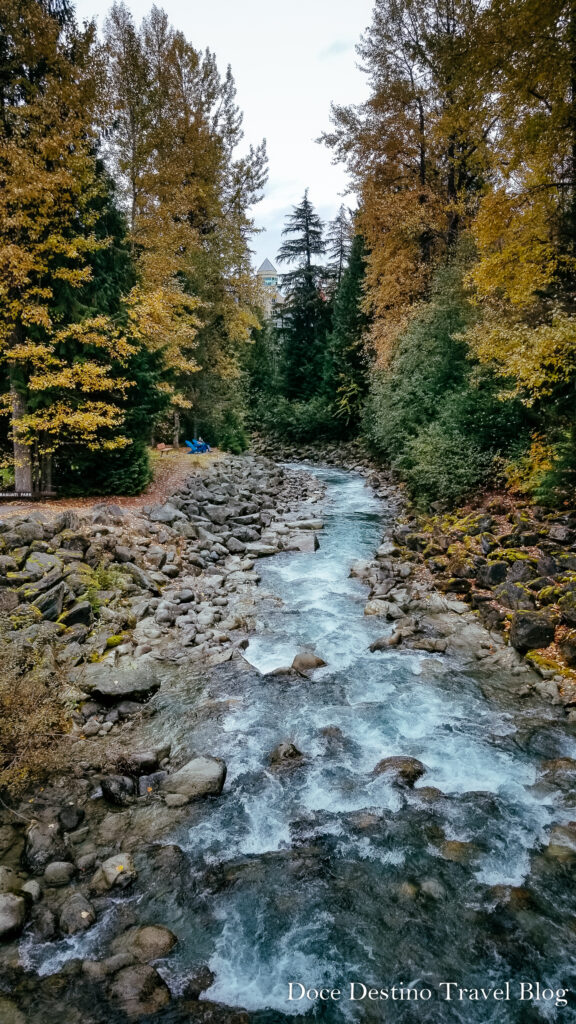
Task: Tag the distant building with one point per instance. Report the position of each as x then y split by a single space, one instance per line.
270 281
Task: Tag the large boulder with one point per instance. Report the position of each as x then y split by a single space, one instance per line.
404 770
139 990
145 942
202 776
165 514
9 880
59 873
12 915
112 684
531 630
116 872
51 603
76 914
44 843
491 574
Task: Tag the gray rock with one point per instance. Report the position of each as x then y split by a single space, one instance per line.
9 880
140 577
76 914
9 600
43 844
260 550
51 603
492 573
59 873
33 888
7 564
117 789
286 755
114 684
80 613
70 817
12 915
9 1012
202 776
531 630
151 783
116 872
515 596
165 514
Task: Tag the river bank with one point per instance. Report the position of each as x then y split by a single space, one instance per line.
413 769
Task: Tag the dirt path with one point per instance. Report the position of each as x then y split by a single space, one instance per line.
170 469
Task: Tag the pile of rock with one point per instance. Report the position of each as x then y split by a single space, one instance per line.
516 570
113 583
351 455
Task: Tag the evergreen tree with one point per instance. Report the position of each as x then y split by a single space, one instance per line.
123 470
347 364
339 243
307 314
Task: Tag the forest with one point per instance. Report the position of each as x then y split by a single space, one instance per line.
441 328
436 321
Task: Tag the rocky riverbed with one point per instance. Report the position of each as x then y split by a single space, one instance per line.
180 795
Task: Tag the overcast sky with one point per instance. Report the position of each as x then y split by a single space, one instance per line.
289 60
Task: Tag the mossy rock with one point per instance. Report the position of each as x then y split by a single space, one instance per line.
567 607
25 615
512 555
549 666
116 640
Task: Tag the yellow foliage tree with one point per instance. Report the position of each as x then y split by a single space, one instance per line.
58 387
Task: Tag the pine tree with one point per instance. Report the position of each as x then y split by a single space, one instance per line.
347 363
339 243
307 313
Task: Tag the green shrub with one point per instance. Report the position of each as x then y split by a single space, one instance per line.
124 471
295 421
442 466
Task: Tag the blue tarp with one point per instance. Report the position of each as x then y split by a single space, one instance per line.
197 447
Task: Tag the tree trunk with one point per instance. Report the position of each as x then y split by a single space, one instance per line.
176 437
46 474
22 452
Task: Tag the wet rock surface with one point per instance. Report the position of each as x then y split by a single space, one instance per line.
148 845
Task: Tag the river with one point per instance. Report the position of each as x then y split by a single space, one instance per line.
327 874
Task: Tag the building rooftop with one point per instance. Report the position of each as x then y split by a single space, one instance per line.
267 268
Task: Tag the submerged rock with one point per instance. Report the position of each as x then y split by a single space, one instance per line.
145 942
306 662
140 990
286 755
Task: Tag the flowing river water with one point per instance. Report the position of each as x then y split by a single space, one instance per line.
327 874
